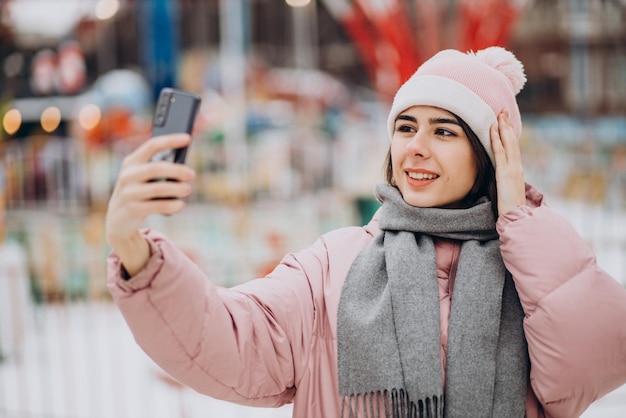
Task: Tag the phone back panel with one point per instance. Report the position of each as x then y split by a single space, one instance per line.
175 113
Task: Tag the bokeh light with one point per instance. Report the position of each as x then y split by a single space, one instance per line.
298 3
89 117
106 9
50 119
12 121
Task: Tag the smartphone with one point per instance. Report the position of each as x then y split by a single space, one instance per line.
175 112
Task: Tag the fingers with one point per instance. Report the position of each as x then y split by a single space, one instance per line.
147 181
125 215
160 171
508 165
137 194
154 145
132 201
138 167
142 208
504 142
508 138
496 144
162 190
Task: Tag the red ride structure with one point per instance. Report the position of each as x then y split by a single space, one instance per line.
393 37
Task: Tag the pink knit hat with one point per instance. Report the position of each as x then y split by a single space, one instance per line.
474 86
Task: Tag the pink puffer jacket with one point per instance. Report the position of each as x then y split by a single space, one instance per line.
272 341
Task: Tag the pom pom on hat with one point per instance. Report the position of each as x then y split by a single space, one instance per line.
505 62
474 86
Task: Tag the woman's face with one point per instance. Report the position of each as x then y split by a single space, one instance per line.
432 159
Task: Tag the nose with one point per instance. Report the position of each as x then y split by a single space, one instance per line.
419 145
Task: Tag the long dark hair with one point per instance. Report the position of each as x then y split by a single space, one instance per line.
485 183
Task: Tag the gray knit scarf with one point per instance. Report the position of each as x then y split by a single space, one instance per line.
388 334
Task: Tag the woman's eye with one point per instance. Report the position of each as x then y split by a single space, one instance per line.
405 128
444 132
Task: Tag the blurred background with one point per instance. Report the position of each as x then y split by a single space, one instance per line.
289 144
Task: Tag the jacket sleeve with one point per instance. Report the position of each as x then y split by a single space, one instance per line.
248 344
575 321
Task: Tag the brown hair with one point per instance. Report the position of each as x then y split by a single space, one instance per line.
485 183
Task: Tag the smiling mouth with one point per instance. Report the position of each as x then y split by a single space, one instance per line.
422 176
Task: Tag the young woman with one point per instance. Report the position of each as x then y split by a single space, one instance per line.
465 295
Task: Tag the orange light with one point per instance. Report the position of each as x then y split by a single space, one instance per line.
12 121
50 119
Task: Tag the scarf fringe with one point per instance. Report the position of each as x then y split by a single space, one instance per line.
390 404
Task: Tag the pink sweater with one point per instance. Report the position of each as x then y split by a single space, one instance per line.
272 341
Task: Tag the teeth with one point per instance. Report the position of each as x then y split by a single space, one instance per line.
422 176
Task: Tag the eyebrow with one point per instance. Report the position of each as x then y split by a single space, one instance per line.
435 121
432 121
406 117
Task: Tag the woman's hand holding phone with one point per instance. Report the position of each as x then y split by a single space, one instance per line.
139 192
136 196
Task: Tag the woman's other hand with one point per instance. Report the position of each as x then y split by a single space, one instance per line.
137 195
510 184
